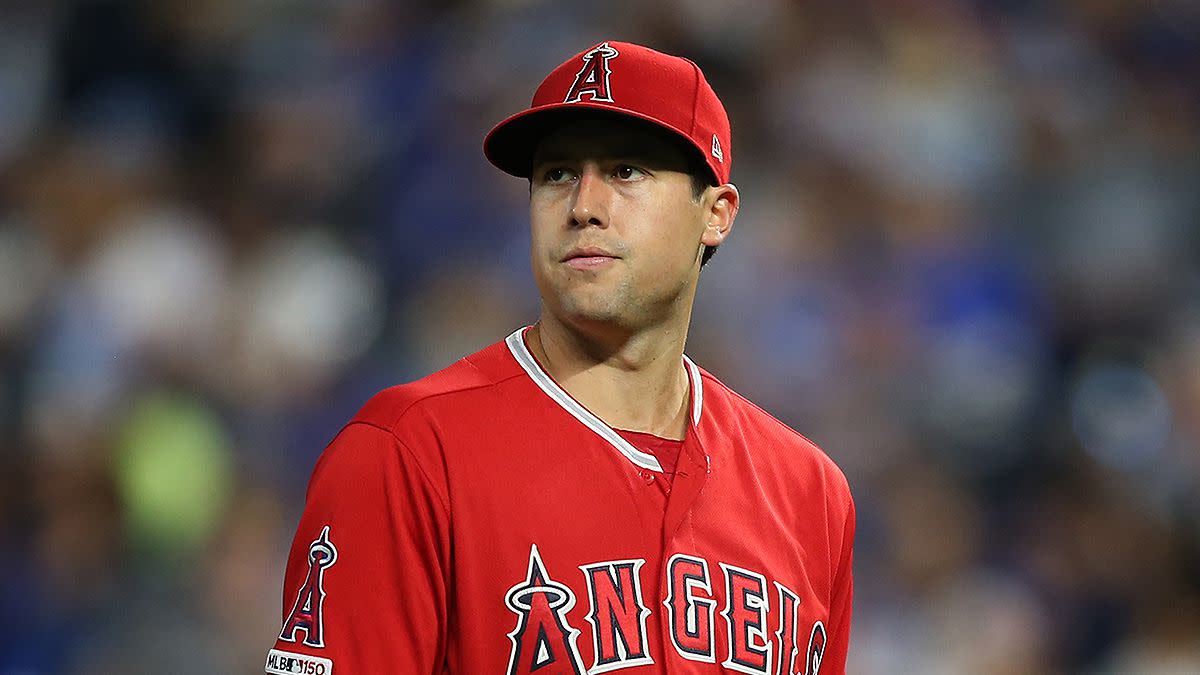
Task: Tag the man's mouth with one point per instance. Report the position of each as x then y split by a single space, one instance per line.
590 257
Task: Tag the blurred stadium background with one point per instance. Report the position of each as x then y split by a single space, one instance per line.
968 265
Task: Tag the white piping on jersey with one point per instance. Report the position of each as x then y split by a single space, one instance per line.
516 345
697 388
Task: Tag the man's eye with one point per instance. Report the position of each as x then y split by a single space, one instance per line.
626 172
557 175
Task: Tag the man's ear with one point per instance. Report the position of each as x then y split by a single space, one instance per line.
721 207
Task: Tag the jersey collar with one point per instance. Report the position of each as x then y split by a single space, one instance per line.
520 351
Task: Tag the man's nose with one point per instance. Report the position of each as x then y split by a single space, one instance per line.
592 193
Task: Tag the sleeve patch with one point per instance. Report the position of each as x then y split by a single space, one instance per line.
290 663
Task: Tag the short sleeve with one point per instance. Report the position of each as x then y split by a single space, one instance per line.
840 608
366 584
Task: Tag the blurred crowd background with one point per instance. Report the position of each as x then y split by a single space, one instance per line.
967 265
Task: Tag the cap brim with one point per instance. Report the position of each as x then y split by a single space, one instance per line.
511 144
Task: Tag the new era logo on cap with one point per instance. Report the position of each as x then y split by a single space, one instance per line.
623 79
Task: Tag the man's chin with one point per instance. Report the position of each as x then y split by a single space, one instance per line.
595 312
595 316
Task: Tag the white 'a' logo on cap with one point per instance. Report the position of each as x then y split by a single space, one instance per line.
592 79
717 151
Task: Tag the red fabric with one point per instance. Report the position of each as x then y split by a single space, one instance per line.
476 521
665 450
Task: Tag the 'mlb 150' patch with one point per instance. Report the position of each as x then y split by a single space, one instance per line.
288 663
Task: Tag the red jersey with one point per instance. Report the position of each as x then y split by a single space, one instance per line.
481 520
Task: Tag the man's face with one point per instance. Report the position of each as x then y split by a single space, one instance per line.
617 230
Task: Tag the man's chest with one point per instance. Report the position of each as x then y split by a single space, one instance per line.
596 566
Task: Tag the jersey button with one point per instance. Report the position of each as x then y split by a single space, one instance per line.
648 476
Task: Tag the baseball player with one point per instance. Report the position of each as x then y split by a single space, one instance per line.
580 496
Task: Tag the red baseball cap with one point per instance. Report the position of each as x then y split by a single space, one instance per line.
624 79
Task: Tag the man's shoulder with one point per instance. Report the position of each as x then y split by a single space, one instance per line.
774 440
741 414
459 381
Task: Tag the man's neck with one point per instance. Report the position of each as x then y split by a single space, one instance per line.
633 382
